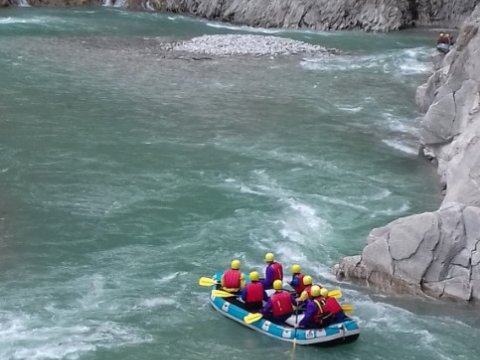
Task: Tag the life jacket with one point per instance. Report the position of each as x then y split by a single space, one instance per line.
254 292
332 306
308 290
444 40
232 279
320 302
281 303
277 271
300 287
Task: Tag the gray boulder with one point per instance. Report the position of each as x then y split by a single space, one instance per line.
370 15
438 253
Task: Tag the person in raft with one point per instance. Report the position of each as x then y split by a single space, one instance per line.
449 39
253 293
232 279
442 39
297 279
306 293
280 305
332 311
273 271
307 287
314 311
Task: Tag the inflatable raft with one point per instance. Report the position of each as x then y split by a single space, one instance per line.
344 332
443 48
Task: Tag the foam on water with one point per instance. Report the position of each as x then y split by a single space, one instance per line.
33 20
258 152
400 124
414 61
398 145
168 278
29 337
380 195
247 190
399 62
298 224
391 212
243 28
158 302
301 223
338 201
353 109
381 318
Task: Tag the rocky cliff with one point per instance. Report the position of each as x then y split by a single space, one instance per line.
376 15
438 253
370 15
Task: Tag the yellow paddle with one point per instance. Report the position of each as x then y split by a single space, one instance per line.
251 318
222 294
337 294
347 308
295 333
205 281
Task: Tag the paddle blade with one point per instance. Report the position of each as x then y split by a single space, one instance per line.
337 294
251 318
204 281
222 294
347 308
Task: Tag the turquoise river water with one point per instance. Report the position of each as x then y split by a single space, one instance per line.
125 176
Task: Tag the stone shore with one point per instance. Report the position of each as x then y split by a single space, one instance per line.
256 45
438 253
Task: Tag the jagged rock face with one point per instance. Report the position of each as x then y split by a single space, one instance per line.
370 15
59 3
438 253
315 14
450 126
445 12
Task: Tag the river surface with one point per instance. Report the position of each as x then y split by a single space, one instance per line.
125 176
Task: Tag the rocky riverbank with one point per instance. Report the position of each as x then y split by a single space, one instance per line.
256 45
438 253
369 15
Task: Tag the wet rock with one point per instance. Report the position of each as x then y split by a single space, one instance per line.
370 15
379 15
438 252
